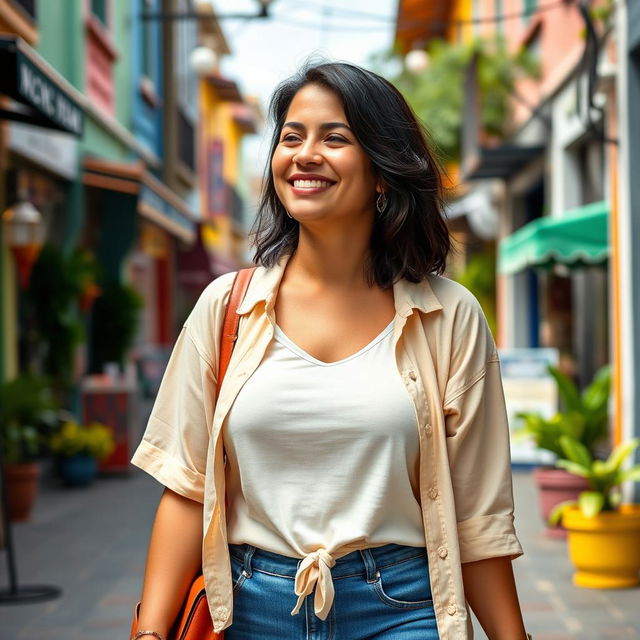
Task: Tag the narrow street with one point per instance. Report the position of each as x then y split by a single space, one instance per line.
92 542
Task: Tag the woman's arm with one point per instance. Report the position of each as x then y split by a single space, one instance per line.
173 559
490 589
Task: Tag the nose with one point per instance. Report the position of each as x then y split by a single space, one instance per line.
307 154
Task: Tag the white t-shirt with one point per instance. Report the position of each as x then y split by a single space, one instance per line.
322 455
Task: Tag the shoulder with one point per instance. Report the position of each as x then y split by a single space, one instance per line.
216 292
204 323
458 303
461 319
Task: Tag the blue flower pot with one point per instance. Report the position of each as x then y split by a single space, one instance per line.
78 471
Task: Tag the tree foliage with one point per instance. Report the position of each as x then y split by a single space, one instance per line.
437 94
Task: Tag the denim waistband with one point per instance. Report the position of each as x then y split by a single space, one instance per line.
362 561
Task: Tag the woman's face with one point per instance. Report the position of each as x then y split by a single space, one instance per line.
319 169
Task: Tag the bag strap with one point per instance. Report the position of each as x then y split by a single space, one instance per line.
232 320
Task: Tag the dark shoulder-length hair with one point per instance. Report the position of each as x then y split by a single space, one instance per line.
410 238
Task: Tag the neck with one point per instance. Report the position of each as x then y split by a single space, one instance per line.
331 257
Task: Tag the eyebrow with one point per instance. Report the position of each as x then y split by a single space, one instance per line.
324 126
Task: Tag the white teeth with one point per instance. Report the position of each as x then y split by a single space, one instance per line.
310 184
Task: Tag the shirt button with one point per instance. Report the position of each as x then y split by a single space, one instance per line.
428 429
442 552
451 609
433 493
412 375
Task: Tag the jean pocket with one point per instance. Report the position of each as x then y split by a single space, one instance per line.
238 574
404 585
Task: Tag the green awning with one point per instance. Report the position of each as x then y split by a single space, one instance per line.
580 237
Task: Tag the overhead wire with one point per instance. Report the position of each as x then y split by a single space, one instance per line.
338 12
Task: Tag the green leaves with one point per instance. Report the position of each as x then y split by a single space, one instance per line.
584 418
621 453
437 94
55 319
576 452
574 468
604 476
591 503
555 517
27 411
567 390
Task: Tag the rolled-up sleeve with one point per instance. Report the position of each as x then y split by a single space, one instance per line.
175 443
478 447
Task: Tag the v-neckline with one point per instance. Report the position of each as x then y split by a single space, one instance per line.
282 337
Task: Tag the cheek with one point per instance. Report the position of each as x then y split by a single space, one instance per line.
276 164
278 168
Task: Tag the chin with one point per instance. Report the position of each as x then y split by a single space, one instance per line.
308 213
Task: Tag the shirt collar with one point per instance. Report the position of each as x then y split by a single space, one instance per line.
407 295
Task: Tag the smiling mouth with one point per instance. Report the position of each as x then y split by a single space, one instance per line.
311 184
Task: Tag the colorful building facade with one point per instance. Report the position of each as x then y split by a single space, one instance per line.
127 185
555 184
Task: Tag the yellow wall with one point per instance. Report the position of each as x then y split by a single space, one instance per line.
462 10
217 122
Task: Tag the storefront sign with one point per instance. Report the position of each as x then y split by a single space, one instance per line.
528 387
29 80
53 150
41 93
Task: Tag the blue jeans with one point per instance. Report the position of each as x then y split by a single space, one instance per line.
381 593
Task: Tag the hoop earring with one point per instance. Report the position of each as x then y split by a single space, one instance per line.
287 210
381 202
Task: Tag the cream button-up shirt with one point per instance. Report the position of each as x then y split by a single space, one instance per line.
448 362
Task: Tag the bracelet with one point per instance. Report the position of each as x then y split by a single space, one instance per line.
139 634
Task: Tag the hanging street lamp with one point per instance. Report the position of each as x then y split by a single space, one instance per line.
24 233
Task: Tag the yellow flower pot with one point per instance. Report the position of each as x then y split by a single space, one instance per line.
605 549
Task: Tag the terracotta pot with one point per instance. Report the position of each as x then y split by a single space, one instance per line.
556 486
605 549
22 486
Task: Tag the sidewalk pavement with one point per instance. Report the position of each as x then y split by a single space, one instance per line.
92 542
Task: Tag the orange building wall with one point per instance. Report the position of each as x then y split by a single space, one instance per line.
555 35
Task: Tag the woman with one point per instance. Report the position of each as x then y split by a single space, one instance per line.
362 415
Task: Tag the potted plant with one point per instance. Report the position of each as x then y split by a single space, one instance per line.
115 321
27 411
78 448
584 418
603 534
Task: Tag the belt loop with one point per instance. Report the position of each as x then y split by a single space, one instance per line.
248 555
370 565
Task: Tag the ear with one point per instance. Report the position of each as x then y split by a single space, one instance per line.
381 187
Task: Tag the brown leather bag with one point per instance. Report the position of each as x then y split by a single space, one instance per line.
193 621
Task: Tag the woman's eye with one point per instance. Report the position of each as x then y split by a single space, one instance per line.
290 137
335 138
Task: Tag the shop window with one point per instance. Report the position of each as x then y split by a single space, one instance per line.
186 140
27 7
148 56
591 170
101 55
100 9
237 206
529 8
